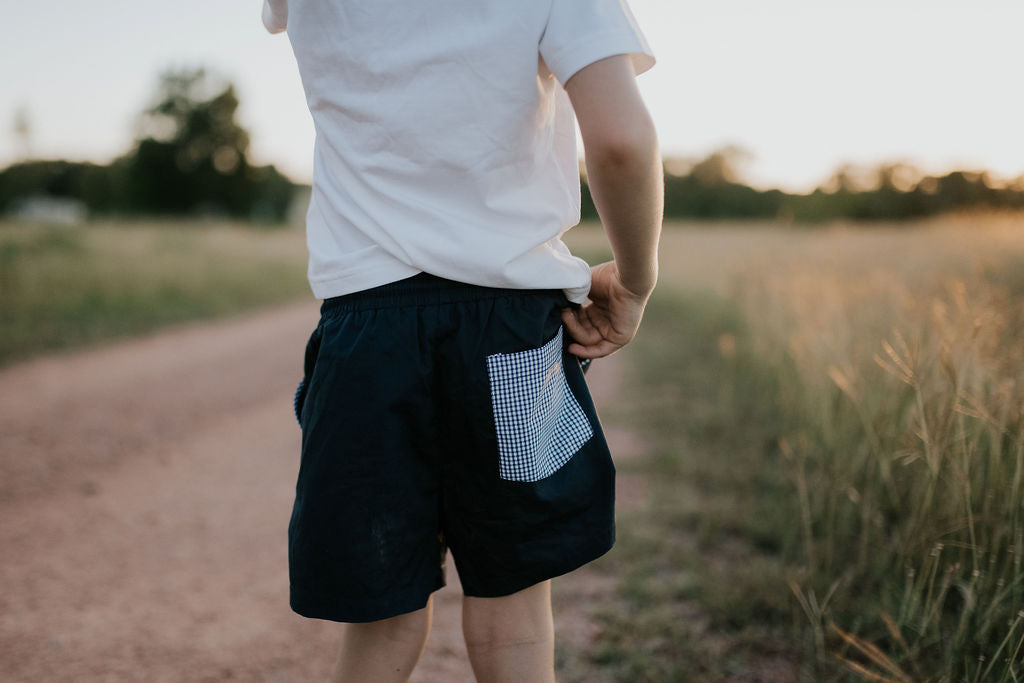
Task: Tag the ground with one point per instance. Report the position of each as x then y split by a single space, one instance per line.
145 490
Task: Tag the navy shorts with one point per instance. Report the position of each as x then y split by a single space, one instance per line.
438 415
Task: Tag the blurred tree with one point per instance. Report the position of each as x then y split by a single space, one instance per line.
191 155
898 176
721 167
850 178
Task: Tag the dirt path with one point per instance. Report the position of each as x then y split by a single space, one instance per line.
145 490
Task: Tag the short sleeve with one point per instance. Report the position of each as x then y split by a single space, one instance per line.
275 15
580 32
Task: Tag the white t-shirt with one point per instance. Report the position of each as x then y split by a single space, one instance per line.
445 142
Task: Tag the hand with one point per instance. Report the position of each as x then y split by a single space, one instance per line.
609 319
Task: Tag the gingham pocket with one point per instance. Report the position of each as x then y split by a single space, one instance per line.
539 423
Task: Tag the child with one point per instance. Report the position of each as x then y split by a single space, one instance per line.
444 404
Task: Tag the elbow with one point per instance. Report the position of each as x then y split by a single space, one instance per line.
635 145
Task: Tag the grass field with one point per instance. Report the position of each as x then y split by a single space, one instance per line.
65 288
835 422
837 425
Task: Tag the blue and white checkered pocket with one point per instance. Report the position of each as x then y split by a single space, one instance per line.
539 422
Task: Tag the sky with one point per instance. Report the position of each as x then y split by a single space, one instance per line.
801 85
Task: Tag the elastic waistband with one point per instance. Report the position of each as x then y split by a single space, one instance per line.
424 289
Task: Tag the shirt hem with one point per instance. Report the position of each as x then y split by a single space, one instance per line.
360 280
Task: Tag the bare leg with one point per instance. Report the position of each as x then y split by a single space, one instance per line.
512 638
383 651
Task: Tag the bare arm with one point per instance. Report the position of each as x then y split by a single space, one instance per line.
624 172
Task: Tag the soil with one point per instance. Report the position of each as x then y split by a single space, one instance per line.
145 491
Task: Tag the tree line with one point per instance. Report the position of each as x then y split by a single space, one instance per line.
709 189
190 158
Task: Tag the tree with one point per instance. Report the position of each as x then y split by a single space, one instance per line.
198 124
721 167
191 153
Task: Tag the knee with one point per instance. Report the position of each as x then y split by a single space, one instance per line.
410 629
384 650
522 618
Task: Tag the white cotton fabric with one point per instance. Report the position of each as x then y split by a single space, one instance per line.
445 142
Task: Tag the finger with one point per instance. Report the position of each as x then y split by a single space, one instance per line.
598 350
580 327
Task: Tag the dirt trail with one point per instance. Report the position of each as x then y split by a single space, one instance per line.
145 490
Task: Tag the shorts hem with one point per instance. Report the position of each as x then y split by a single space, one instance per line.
518 582
316 606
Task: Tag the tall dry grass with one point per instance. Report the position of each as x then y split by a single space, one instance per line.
899 357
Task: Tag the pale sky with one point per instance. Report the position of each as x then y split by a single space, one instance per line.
803 85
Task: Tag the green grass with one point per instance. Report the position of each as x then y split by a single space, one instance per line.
702 573
63 288
836 421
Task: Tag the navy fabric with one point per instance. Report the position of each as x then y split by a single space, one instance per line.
402 450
